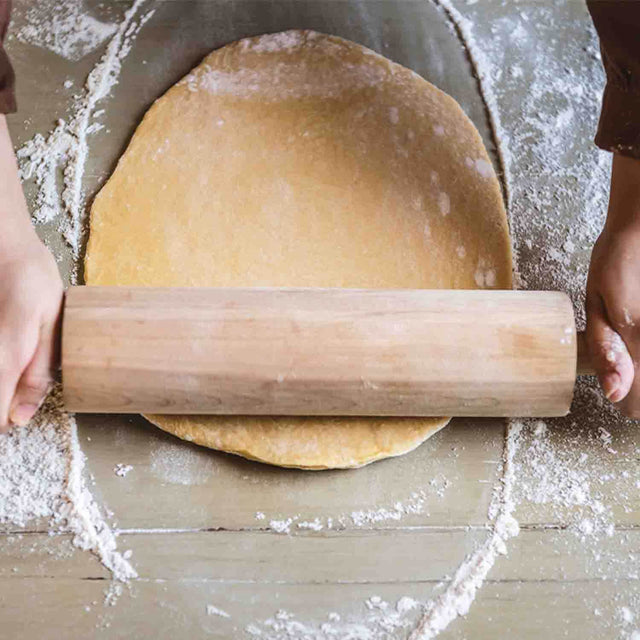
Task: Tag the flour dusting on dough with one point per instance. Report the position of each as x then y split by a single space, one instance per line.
273 42
485 276
444 203
484 168
299 82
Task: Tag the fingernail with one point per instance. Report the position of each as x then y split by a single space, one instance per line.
611 387
21 415
616 396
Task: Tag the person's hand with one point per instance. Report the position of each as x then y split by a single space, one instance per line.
31 296
613 291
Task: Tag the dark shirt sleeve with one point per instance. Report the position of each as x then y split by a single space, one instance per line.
7 77
618 25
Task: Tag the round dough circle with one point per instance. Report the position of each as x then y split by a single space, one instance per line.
300 159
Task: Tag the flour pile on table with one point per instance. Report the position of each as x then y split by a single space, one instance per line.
33 472
41 477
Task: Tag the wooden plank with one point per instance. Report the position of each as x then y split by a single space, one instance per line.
530 611
75 609
378 556
349 557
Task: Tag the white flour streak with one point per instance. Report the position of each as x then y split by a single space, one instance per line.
33 468
414 504
214 611
461 591
66 147
82 515
484 72
379 622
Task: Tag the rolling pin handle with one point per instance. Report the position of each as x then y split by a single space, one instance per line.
584 367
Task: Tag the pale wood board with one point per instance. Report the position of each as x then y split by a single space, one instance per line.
189 515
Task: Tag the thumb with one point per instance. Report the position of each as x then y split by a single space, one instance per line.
36 379
609 354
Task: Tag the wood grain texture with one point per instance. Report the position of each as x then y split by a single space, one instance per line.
279 351
170 598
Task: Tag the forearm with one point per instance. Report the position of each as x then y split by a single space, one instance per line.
16 230
624 200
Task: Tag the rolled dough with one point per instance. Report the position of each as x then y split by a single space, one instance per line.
300 159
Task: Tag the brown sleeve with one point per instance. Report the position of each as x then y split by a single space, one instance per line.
7 77
618 25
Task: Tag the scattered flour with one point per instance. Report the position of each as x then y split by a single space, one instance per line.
245 83
112 594
64 27
177 463
282 526
484 276
271 42
414 504
314 525
406 604
484 168
215 611
121 470
379 620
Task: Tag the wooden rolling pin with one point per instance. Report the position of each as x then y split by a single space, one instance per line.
318 352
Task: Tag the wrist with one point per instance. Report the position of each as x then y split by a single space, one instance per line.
16 230
20 245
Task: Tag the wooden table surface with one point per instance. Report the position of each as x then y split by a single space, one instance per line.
203 526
